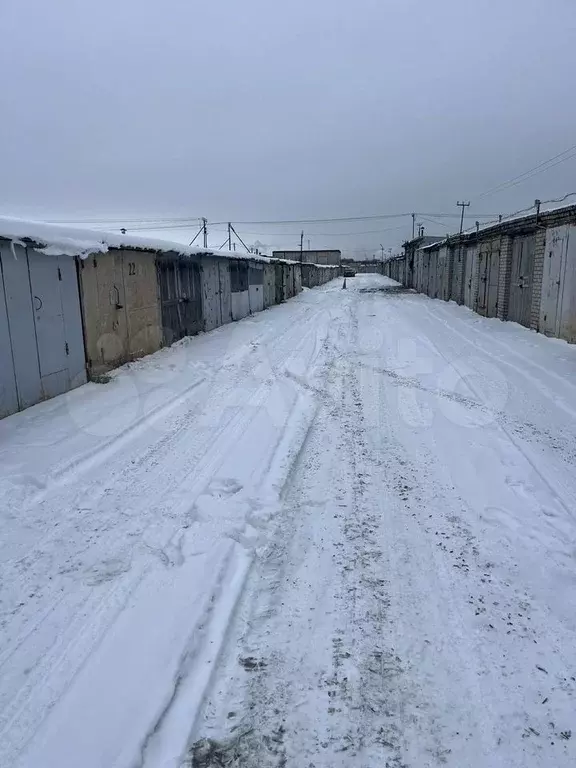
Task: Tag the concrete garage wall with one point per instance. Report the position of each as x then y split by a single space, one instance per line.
121 308
288 281
312 276
297 279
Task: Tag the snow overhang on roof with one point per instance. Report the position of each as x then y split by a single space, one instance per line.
57 239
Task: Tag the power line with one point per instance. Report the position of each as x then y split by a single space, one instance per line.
540 168
560 199
154 227
140 220
345 218
161 223
321 234
433 221
215 224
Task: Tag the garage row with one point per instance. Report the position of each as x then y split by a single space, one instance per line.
522 270
67 318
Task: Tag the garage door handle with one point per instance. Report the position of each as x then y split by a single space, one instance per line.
39 305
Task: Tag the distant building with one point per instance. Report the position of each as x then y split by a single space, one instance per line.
310 257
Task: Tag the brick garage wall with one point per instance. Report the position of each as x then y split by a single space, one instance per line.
504 276
457 284
537 274
501 237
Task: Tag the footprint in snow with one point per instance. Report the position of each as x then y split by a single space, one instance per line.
225 486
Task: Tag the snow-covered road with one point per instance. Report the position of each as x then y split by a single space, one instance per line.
339 533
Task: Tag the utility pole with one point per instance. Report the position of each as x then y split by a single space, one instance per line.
301 246
205 231
308 244
413 225
197 235
382 250
462 205
229 236
239 238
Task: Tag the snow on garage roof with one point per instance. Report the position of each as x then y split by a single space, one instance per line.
57 239
514 218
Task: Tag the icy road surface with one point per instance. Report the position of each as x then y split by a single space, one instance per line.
339 533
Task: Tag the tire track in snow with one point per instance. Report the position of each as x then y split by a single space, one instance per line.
101 453
500 425
169 737
230 431
533 381
83 634
166 445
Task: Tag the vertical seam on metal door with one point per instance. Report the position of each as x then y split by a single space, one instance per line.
34 319
9 332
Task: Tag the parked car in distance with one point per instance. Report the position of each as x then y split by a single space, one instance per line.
349 271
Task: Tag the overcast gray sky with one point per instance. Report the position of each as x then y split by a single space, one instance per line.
260 110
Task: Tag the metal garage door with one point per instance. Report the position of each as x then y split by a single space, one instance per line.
8 393
279 284
256 287
558 302
520 304
488 268
425 271
211 294
240 297
41 324
180 297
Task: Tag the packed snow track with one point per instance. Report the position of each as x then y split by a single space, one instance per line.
339 533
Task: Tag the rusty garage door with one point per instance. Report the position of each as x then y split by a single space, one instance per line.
180 297
520 304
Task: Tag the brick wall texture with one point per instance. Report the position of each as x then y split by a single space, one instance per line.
498 237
